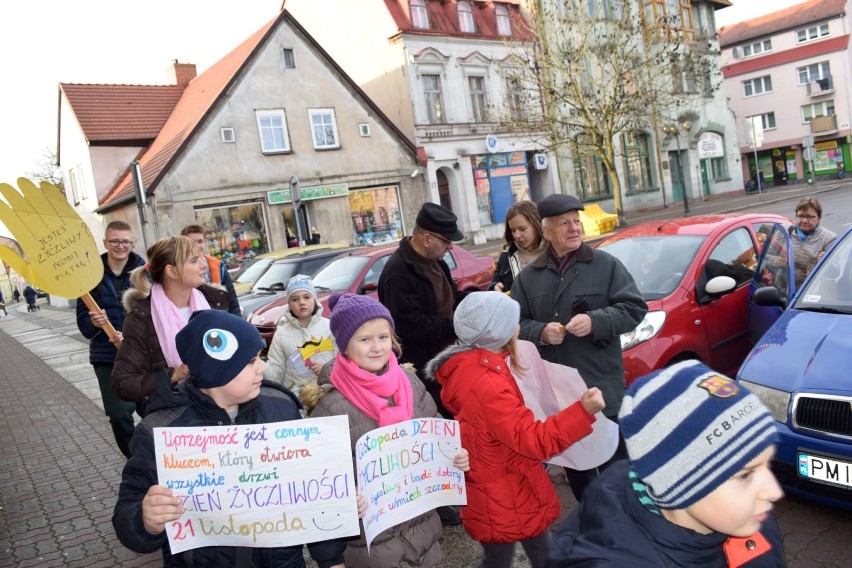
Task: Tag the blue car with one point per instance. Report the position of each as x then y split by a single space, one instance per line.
802 368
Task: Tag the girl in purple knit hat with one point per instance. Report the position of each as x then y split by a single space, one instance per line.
365 383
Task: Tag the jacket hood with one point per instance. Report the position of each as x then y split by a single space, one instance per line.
443 367
130 297
432 367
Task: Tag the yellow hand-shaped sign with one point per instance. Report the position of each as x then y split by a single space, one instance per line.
62 257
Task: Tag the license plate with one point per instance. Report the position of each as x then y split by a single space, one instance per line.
824 469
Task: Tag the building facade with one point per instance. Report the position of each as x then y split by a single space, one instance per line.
789 70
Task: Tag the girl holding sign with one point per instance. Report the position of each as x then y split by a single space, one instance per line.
165 292
366 383
510 497
302 341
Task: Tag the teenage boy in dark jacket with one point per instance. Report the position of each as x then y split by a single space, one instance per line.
696 491
119 260
221 389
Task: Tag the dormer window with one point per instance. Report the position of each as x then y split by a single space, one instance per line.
504 26
419 16
465 17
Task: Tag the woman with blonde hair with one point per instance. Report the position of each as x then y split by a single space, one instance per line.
165 292
524 243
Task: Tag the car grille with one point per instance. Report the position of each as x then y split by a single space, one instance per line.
829 415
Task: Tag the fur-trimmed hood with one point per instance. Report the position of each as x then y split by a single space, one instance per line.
433 366
132 294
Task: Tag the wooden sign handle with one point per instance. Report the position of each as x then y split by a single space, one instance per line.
94 307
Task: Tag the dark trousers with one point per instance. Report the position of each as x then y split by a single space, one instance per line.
500 555
120 412
579 480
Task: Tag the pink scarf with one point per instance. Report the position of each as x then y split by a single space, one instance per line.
168 320
369 392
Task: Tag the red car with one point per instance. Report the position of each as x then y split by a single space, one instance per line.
358 271
694 273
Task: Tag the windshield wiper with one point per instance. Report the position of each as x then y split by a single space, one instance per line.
322 288
825 310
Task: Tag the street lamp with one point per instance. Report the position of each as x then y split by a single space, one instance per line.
674 130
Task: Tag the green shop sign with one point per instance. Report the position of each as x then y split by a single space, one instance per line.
280 196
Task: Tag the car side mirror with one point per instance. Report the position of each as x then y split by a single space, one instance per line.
719 286
769 296
368 287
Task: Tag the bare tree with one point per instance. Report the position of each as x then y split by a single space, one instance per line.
47 169
603 68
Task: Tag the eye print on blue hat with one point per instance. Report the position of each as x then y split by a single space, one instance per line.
220 344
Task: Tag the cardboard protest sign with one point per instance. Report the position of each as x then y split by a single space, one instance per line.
259 485
61 256
548 388
407 469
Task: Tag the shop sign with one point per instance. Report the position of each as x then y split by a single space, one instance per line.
831 145
308 193
507 171
710 145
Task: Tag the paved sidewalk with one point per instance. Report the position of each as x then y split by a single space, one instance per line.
60 469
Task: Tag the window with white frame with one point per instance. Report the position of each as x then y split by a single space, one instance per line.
515 98
323 128
504 24
757 86
432 94
812 33
465 17
478 98
606 9
814 72
767 119
419 16
272 128
809 112
757 48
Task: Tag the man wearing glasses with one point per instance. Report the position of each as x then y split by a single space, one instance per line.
417 289
119 260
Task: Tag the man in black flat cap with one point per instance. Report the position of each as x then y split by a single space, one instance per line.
576 302
417 289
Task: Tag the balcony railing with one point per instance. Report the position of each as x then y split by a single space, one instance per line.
822 86
823 124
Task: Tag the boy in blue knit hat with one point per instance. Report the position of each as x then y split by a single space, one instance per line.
697 489
224 386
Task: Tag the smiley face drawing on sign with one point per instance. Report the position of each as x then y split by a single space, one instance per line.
326 521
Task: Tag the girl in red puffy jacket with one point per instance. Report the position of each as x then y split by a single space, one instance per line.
510 497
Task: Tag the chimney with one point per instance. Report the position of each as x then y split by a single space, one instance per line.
182 73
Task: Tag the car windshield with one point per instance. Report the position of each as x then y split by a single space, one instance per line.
830 287
278 273
339 274
657 263
252 271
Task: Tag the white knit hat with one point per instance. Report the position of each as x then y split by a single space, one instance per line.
487 320
300 283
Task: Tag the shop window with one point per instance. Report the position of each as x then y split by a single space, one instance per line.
375 215
235 233
637 161
465 17
272 128
719 168
419 15
323 128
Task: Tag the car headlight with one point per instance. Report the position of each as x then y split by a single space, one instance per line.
777 401
647 328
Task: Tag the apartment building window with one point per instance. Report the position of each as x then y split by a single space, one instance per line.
814 72
465 17
757 48
419 15
272 128
606 9
637 161
812 33
515 98
671 17
684 80
323 128
432 93
768 120
757 86
478 99
504 25
817 109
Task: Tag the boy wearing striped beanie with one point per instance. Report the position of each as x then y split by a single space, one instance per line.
696 490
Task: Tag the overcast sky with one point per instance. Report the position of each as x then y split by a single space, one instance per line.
45 42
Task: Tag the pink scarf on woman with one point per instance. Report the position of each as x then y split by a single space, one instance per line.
369 392
168 320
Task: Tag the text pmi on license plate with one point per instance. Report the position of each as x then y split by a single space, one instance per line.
824 469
